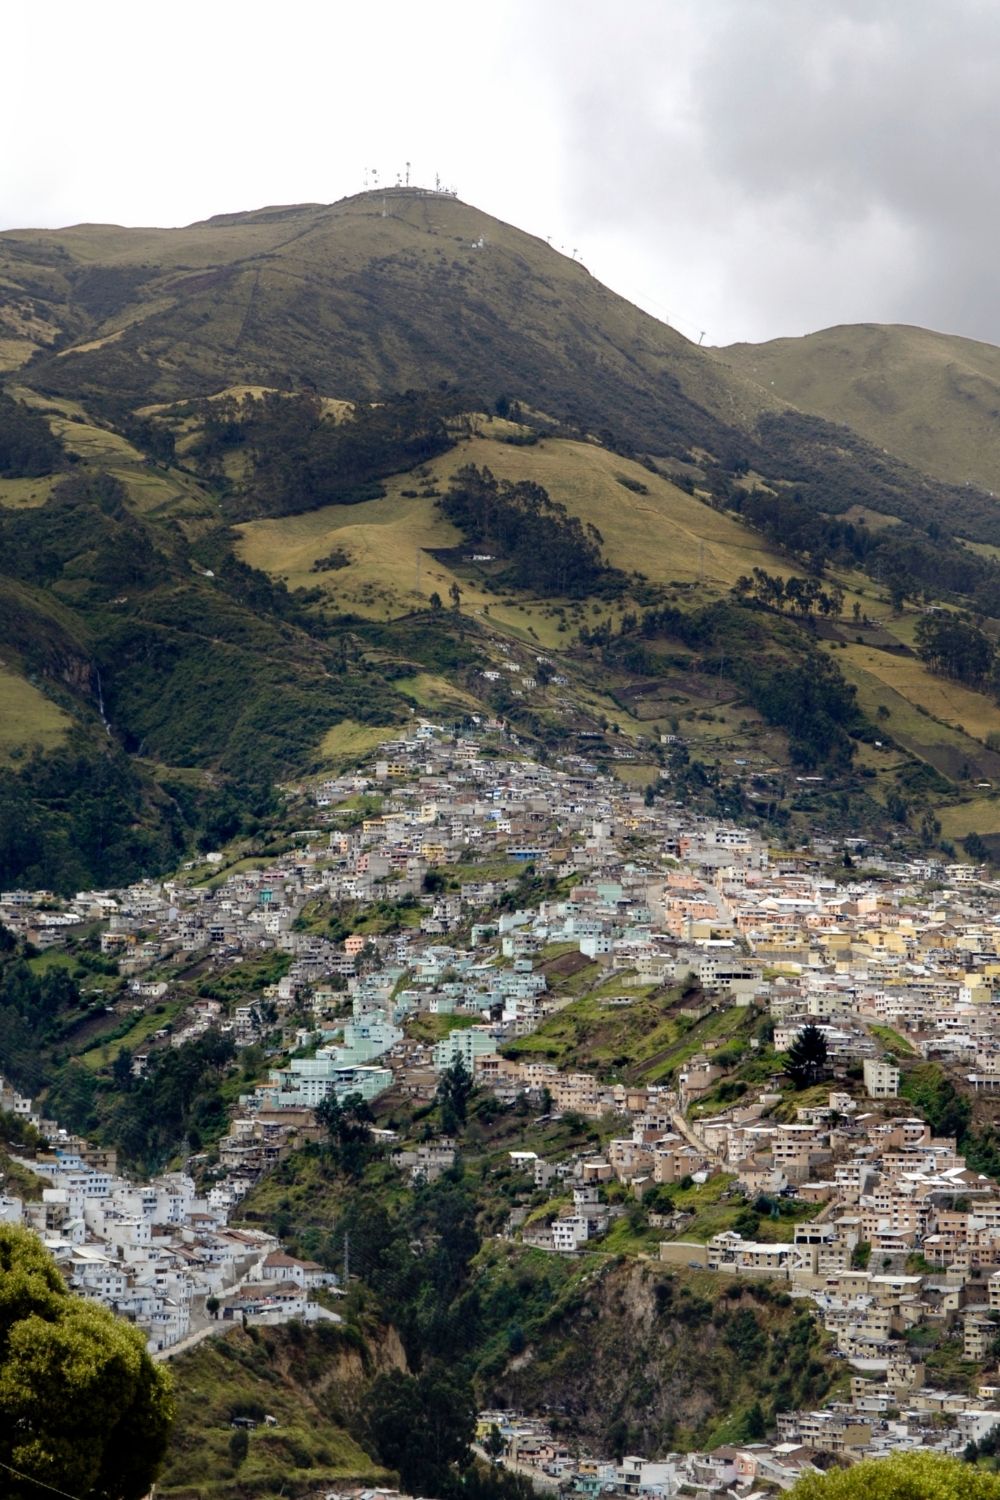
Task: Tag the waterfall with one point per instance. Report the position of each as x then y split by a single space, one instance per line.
100 702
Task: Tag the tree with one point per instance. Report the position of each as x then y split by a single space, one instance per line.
121 1070
494 1445
212 1305
83 1408
976 848
422 1426
239 1446
901 1476
805 1060
755 1423
349 1122
453 1095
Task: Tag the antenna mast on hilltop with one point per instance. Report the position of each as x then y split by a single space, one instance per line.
407 174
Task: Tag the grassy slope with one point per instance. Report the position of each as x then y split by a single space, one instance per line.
666 533
308 1382
28 719
152 488
646 1041
930 398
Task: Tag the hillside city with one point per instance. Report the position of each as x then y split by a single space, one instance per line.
575 892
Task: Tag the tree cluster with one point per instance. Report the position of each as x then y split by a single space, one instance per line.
545 549
30 1008
176 1103
802 595
303 458
901 1476
957 649
28 447
793 686
349 1125
422 1426
416 1261
918 558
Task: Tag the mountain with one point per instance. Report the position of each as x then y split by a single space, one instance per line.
246 465
932 399
384 291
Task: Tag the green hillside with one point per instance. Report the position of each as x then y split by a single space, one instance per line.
308 1381
234 547
383 291
929 398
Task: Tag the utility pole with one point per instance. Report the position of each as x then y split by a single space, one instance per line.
347 1257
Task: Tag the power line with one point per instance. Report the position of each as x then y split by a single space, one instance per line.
29 1479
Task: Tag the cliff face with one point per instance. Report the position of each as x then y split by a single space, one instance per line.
642 1361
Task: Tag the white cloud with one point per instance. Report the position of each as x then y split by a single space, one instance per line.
747 167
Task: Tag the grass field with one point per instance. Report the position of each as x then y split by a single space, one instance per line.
150 488
959 707
646 1041
349 740
437 694
22 494
929 397
976 815
104 1053
891 1040
390 572
238 1370
948 734
666 533
27 718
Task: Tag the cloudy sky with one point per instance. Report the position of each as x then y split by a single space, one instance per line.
750 168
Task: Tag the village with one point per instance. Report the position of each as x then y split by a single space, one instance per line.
529 888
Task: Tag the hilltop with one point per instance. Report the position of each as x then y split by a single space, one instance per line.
929 398
384 291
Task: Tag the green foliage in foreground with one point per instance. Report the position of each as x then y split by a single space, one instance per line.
83 1408
904 1476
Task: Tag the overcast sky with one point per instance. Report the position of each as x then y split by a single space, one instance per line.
750 168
